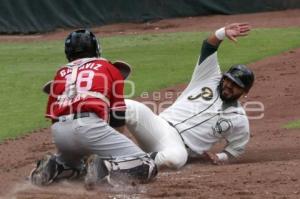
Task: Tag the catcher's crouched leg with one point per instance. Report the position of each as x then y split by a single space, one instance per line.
48 170
142 169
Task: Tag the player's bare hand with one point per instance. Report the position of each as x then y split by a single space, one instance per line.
234 30
212 157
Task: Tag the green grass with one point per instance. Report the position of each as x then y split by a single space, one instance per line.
158 61
166 59
292 125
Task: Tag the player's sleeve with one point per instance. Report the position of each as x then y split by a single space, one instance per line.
207 65
207 68
206 50
238 139
118 107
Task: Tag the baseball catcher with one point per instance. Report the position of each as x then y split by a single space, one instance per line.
207 110
86 105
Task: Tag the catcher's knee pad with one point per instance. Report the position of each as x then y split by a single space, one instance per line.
48 169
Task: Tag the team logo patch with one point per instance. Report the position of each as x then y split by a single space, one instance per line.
206 94
222 126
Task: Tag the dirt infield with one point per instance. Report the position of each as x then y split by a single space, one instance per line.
269 168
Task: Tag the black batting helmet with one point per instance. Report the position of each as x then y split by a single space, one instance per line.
80 44
241 75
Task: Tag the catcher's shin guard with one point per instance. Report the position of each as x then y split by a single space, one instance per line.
99 170
48 169
142 169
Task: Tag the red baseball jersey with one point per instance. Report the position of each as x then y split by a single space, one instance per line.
98 84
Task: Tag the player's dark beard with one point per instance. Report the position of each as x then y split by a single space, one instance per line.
228 99
224 98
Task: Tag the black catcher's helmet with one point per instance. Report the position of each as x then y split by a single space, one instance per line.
80 44
241 75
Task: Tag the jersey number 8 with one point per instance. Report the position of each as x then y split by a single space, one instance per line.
84 80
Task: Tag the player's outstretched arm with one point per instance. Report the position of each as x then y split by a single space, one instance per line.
231 31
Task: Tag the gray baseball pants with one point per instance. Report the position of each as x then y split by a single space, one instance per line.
76 138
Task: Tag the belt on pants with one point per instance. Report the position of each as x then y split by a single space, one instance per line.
74 116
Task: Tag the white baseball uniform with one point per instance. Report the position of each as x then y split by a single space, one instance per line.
194 122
